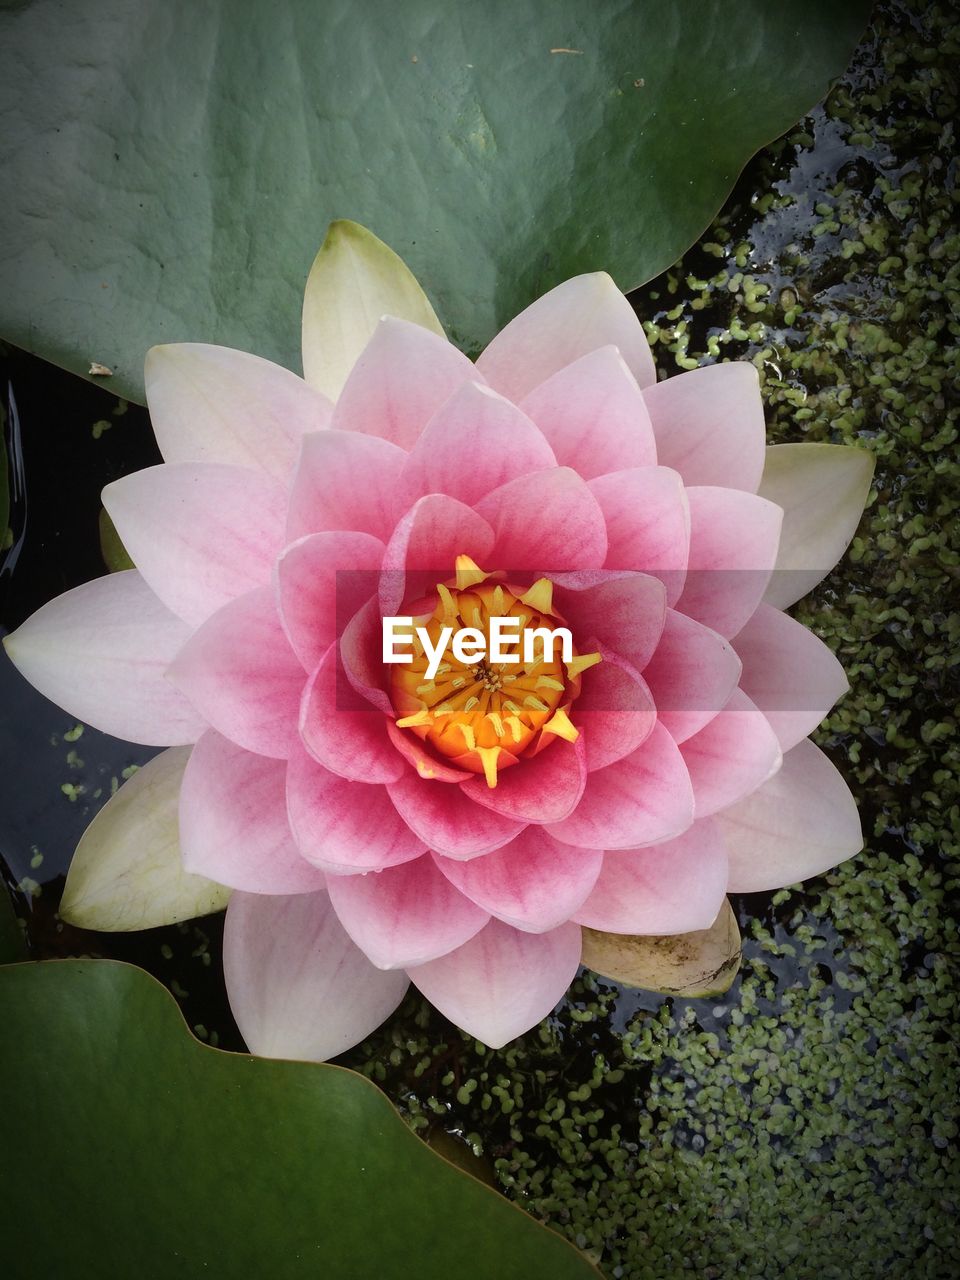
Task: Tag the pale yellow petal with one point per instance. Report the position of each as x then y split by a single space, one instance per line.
127 872
354 281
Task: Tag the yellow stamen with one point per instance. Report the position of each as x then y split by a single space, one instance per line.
496 722
580 664
535 703
516 727
545 682
469 573
540 596
449 604
422 717
488 757
468 736
559 724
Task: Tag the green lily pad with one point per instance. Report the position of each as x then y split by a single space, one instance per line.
703 963
134 1150
170 167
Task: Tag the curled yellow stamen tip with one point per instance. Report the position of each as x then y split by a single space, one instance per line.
535 703
540 596
559 724
468 573
422 717
471 703
579 664
468 736
488 757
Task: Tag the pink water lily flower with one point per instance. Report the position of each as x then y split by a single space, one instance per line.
377 826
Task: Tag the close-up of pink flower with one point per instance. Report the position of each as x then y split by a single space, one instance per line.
376 824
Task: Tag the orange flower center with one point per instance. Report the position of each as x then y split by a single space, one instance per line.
485 716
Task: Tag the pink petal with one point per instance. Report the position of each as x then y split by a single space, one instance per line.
341 731
345 480
474 443
233 821
648 525
709 425
675 887
802 822
792 676
533 883
448 821
614 712
571 320
101 652
321 582
733 548
731 756
503 981
406 915
542 788
545 521
298 986
345 827
361 652
200 533
691 675
240 673
594 416
403 376
623 611
642 799
424 547
213 404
